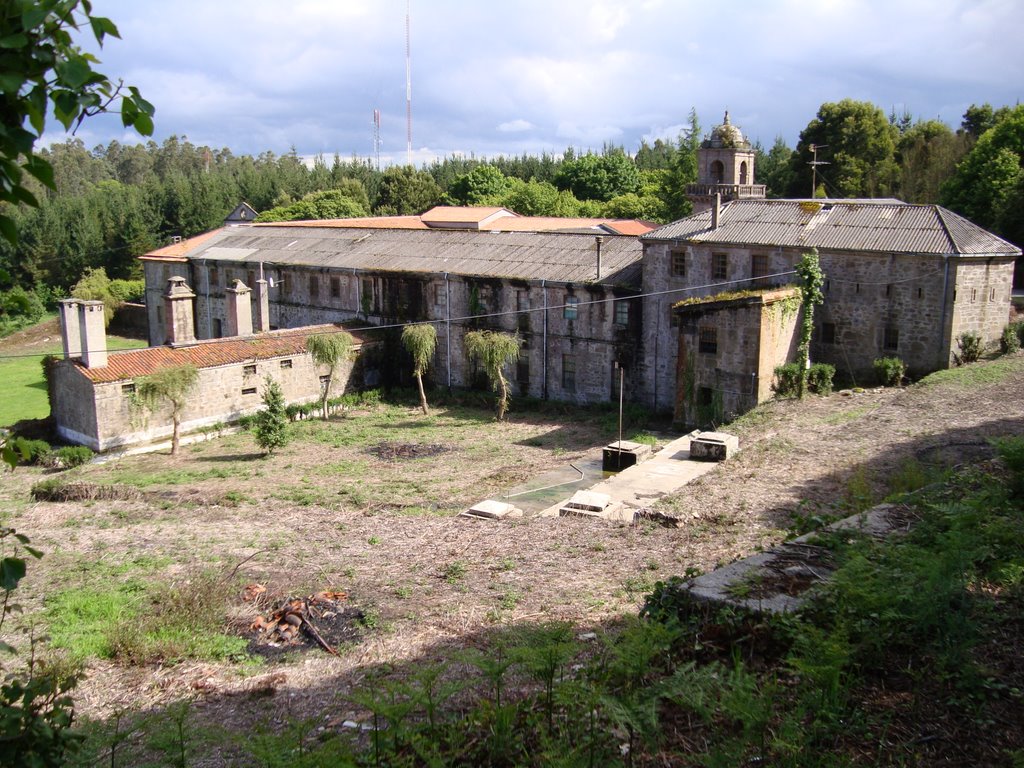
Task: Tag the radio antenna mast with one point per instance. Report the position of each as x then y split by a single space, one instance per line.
408 89
814 166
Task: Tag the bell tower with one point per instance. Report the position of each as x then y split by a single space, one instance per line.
725 166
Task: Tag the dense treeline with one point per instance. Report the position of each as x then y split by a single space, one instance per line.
113 203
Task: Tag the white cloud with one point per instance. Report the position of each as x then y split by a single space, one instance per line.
516 126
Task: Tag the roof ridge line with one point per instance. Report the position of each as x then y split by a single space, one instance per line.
940 211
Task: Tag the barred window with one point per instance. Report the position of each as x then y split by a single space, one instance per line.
569 373
719 266
707 340
569 312
249 370
828 333
335 287
622 313
759 265
892 338
678 267
314 287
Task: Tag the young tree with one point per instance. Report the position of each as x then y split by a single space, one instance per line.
420 341
494 350
41 66
170 387
271 428
330 350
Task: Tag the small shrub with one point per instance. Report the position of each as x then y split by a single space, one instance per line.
890 371
128 290
819 378
971 348
1011 451
73 455
1012 338
787 380
34 451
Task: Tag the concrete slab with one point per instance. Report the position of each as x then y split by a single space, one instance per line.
490 509
639 486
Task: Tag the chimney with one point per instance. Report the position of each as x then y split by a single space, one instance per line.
92 328
716 211
262 306
599 239
239 309
69 331
178 309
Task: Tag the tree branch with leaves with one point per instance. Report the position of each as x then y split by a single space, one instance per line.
330 350
170 387
494 350
420 341
42 68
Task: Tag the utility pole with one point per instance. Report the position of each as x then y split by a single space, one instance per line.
814 166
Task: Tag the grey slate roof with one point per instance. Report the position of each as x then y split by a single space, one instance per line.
887 226
554 256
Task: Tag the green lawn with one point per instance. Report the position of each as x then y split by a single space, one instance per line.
24 387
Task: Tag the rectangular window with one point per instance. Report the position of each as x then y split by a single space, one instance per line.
974 294
828 333
618 374
314 287
214 277
128 389
568 373
673 318
569 312
366 295
622 313
324 381
251 277
248 370
522 301
335 287
888 290
707 340
249 391
759 266
719 266
678 267
286 364
523 375
892 338
438 294
218 328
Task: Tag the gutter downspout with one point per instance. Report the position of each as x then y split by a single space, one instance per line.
448 327
544 367
209 307
942 333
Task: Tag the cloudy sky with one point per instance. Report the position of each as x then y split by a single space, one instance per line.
493 78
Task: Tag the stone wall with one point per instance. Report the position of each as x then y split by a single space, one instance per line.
728 352
102 416
591 342
876 305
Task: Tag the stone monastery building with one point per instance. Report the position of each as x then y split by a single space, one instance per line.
697 313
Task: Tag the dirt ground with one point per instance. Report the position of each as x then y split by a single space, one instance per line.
431 580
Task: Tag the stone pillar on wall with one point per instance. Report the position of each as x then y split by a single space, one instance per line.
69 331
262 306
92 333
179 312
239 309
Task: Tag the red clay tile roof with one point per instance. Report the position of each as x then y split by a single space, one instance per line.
456 214
133 363
176 251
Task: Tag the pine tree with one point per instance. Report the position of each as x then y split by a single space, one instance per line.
271 430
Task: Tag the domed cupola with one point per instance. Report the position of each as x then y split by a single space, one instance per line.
725 167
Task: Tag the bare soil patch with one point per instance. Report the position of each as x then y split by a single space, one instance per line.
337 511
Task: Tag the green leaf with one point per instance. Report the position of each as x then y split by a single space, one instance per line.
101 27
143 123
32 16
17 40
10 83
74 71
12 570
42 170
10 232
65 107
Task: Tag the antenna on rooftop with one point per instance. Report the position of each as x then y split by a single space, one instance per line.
408 89
376 137
814 166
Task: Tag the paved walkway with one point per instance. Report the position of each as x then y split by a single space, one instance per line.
641 485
